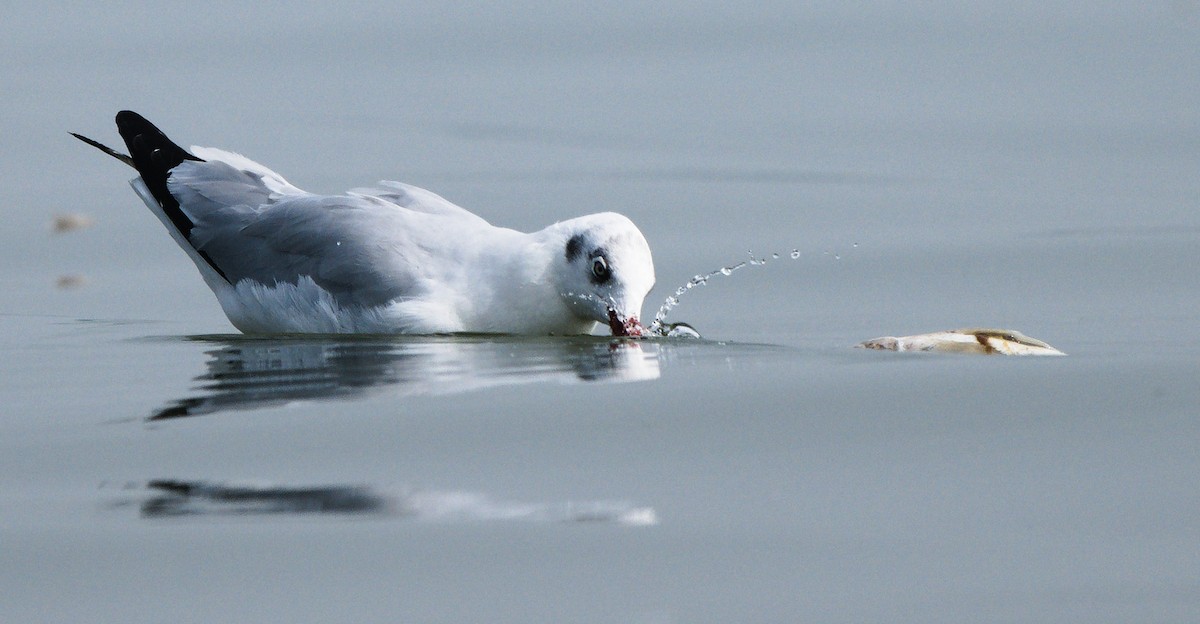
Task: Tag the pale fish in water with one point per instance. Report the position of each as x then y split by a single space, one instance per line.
984 341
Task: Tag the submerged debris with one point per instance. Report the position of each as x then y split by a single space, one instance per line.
985 341
69 281
69 222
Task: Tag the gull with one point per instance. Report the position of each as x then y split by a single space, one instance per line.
393 259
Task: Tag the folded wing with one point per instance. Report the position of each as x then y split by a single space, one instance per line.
363 247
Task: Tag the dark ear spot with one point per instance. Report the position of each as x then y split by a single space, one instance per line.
574 247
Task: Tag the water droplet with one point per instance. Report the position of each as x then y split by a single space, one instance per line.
659 327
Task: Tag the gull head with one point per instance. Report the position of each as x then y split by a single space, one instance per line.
606 271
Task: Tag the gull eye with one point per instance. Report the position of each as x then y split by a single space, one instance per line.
600 270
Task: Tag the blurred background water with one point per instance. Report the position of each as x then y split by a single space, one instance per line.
936 164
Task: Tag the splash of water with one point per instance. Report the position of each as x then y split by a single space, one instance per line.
659 327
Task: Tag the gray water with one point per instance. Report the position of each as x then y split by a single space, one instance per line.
1021 165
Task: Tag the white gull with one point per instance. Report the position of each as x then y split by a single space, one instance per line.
390 259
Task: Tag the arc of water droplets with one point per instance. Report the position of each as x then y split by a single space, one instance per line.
659 327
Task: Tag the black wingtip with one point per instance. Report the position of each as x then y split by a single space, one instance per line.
148 146
154 156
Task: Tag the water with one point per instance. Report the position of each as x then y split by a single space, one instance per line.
659 326
1023 166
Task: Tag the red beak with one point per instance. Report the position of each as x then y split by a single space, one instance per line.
628 327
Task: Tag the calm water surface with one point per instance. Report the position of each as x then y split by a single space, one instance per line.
1017 166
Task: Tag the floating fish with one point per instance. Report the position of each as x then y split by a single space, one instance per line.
985 341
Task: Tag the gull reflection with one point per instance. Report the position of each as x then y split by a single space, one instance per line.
178 498
250 373
170 498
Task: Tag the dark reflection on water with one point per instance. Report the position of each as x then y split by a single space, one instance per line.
249 373
245 373
173 498
180 498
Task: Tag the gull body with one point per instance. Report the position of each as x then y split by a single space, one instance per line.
393 258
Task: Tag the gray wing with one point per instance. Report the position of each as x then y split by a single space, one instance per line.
363 249
417 199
